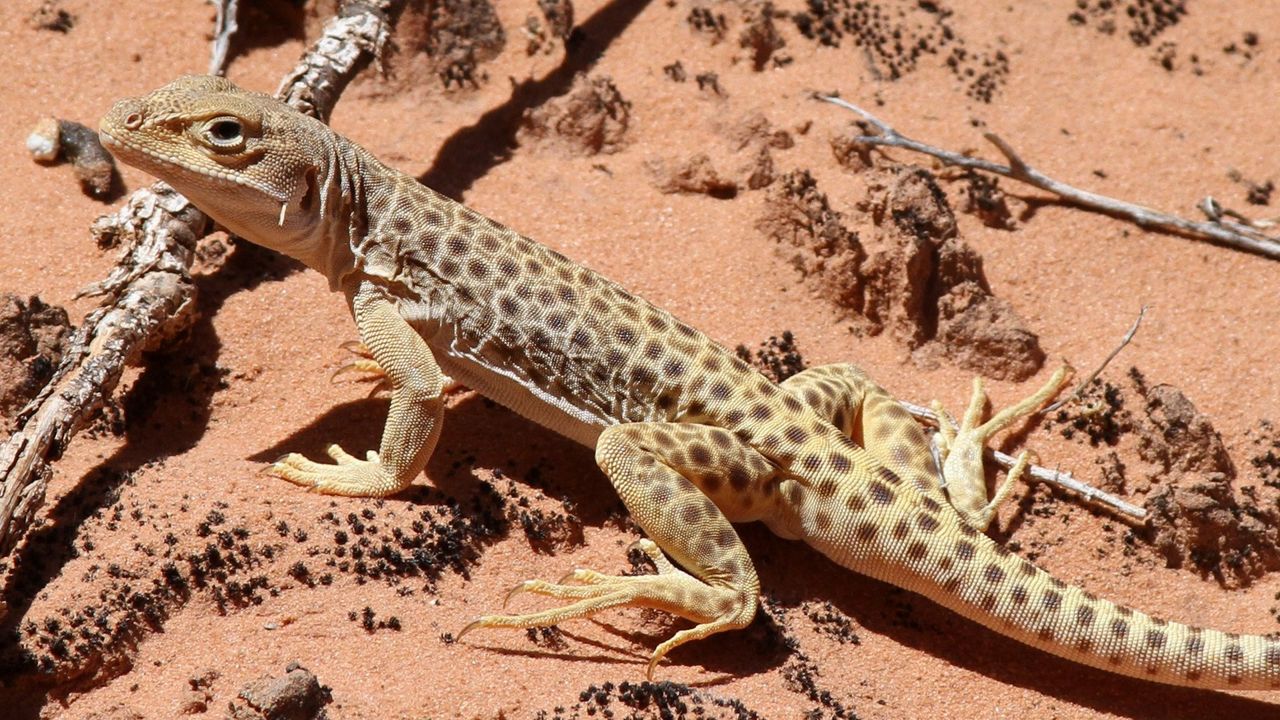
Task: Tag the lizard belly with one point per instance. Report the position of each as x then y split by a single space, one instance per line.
509 389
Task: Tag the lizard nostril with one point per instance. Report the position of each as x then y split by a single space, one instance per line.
133 121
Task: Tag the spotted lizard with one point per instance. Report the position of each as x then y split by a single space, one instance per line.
692 439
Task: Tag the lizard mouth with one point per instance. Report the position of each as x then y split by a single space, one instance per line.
170 167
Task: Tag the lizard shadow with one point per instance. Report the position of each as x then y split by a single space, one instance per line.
726 658
478 434
917 622
473 151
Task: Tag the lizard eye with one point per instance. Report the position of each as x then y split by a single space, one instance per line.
225 132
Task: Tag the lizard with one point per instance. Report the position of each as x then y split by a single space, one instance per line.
692 438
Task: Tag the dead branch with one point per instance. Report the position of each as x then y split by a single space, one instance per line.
1063 480
149 294
1234 235
225 26
1128 337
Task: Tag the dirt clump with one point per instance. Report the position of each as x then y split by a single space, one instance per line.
592 119
1103 418
210 554
776 358
815 239
197 698
33 336
851 153
894 38
694 175
982 197
556 24
983 333
298 695
1266 458
746 145
709 24
663 699
449 39
50 15
1198 518
1147 19
760 37
910 274
559 16
1179 437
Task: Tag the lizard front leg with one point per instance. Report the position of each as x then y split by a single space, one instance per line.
413 423
681 483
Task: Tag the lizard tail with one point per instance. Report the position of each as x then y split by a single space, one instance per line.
932 551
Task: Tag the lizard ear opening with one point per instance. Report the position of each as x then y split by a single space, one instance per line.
309 197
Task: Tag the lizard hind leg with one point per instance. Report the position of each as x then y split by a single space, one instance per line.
962 449
866 413
681 483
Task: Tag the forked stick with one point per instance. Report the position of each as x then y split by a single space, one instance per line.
1235 235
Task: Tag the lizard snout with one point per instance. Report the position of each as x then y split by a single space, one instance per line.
126 114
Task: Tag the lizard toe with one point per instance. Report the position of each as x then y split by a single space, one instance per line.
351 476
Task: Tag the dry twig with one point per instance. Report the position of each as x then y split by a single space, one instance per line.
1231 234
149 293
1128 337
225 26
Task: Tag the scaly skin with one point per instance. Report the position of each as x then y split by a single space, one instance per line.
691 438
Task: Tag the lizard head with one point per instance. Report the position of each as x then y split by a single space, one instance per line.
245 158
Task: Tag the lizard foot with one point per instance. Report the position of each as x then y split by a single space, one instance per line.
671 590
367 369
962 449
351 476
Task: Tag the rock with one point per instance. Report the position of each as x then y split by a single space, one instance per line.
296 696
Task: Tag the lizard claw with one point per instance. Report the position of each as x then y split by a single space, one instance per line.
470 626
521 587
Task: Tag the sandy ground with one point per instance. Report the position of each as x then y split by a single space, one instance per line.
132 515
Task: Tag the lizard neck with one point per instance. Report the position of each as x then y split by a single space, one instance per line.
335 217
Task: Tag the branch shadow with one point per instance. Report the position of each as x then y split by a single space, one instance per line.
265 24
473 151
